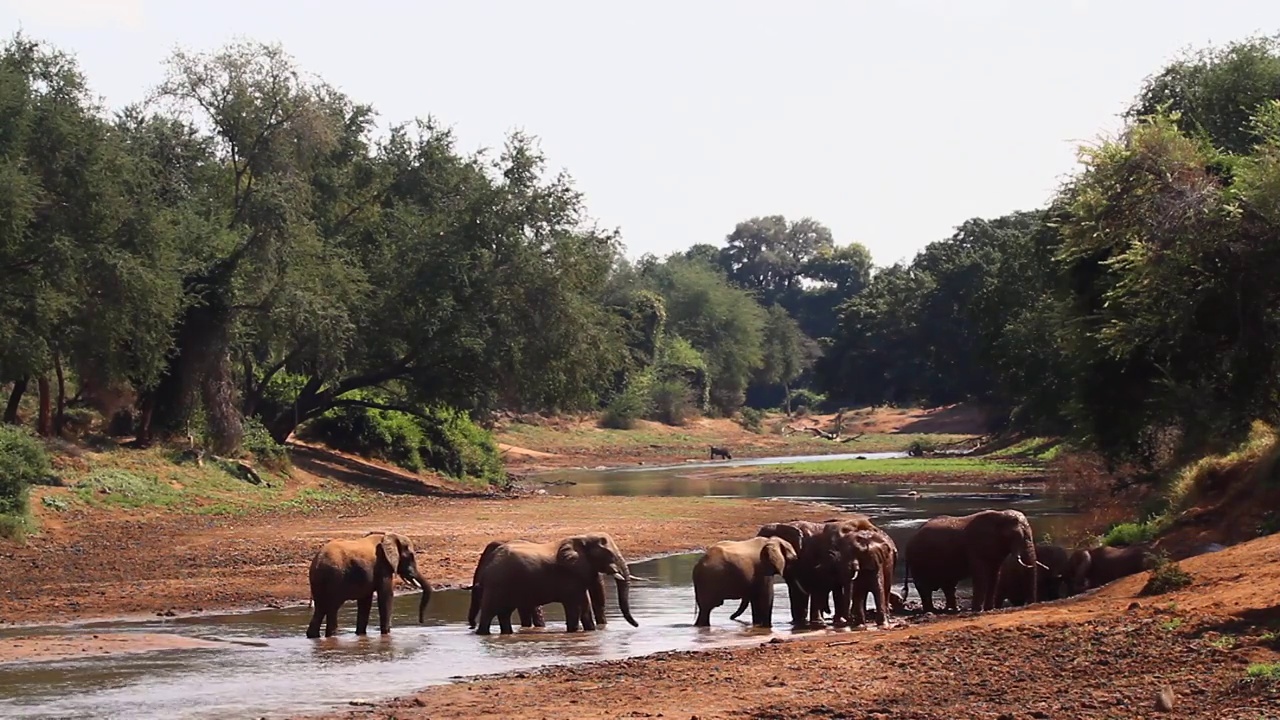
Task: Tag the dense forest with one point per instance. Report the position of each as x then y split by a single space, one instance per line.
246 253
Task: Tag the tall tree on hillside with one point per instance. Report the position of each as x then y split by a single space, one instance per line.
787 353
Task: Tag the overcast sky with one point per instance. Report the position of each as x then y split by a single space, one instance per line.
890 122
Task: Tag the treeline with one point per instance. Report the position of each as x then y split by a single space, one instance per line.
243 252
1139 312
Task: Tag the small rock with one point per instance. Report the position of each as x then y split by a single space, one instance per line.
1135 605
1164 699
1039 714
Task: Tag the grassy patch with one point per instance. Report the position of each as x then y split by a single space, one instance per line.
1171 624
1037 449
1263 673
902 466
15 527
1223 642
1133 533
1205 474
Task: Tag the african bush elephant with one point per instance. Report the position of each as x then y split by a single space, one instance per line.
870 570
523 574
947 549
822 568
1012 585
1087 569
356 569
529 616
796 533
732 569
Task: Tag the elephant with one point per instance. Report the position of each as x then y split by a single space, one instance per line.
822 569
870 570
524 574
947 549
796 533
356 569
529 616
732 569
1012 585
1096 567
721 451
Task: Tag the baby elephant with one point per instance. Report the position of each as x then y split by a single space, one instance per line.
721 452
740 569
873 555
1088 569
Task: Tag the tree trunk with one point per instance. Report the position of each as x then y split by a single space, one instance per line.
15 399
786 392
44 425
60 417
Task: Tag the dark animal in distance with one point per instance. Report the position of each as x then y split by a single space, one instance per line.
721 451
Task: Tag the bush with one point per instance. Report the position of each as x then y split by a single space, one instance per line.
23 462
630 405
443 439
1166 577
804 398
672 401
122 487
752 419
1133 533
264 448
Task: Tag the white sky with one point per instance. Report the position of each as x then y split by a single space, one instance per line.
890 122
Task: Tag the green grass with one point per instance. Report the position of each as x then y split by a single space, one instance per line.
1037 449
587 439
15 527
1263 673
1133 533
902 466
1171 624
1166 577
1225 642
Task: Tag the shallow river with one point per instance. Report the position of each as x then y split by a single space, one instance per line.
265 667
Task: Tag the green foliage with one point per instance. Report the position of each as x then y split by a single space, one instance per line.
23 462
264 448
1133 533
806 398
1166 576
672 401
442 439
633 403
1263 674
127 489
751 419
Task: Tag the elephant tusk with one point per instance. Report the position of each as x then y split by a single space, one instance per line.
1024 564
854 576
620 576
1042 565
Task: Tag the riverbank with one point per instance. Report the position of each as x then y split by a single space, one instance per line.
1105 654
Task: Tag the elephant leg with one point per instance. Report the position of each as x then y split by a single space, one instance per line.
799 601
595 593
313 628
704 615
817 603
363 606
504 621
981 589
949 591
331 620
485 622
572 614
526 617
926 598
385 598
858 607
539 620
882 604
762 605
588 613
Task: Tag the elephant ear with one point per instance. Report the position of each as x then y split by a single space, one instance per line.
772 556
390 547
570 553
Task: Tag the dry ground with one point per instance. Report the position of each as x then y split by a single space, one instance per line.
1105 654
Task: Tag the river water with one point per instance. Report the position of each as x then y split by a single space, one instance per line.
263 666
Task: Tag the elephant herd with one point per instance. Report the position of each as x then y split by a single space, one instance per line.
829 567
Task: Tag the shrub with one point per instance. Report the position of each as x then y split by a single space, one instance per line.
672 401
630 405
1166 577
23 462
1133 533
751 419
442 439
918 448
804 398
264 448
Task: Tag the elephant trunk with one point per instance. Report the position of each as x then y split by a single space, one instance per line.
1026 555
622 576
426 598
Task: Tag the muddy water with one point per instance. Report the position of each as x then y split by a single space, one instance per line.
263 666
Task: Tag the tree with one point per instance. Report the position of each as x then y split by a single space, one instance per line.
787 353
768 255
